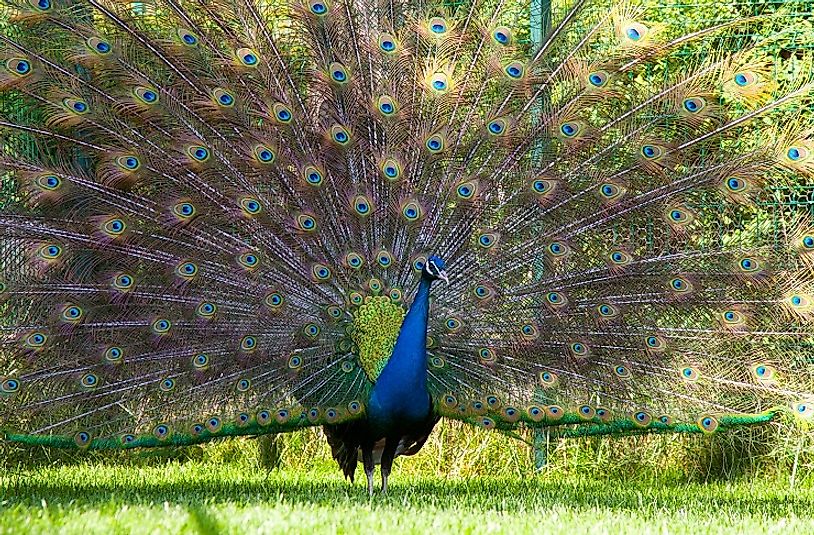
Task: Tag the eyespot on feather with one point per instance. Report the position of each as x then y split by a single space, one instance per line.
438 83
535 413
48 182
622 371
384 258
146 95
486 355
763 373
248 343
184 210
319 8
619 258
690 374
200 361
607 311
693 105
386 106
502 36
313 176
42 6
554 413
598 79
75 106
578 349
466 191
114 355
655 343
361 206
339 135
263 417
411 211
548 379
678 217
82 439
99 46
803 409
586 412
123 282
391 169
610 192
707 423
281 114
388 44
187 38
515 71
338 73
223 98
128 163
247 57
435 143
72 314
206 310
680 286
264 155
243 385
35 340
571 130
320 272
161 326
249 261
633 33
641 419
556 300
437 27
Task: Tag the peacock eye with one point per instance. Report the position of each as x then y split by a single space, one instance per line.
243 385
438 26
502 35
318 7
694 104
569 129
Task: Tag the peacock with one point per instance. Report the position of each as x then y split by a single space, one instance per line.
242 217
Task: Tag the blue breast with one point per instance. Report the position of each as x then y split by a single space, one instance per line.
400 397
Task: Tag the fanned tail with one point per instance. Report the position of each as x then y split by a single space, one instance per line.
224 208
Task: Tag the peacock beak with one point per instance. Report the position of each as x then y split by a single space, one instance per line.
443 276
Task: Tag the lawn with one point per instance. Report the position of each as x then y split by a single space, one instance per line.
233 497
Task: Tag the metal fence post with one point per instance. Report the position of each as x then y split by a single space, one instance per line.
540 26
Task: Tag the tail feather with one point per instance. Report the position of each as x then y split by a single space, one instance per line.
212 195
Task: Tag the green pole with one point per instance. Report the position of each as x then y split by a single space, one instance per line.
540 22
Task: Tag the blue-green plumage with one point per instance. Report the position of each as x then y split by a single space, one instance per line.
399 409
400 393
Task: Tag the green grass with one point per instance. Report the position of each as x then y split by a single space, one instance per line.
211 497
464 480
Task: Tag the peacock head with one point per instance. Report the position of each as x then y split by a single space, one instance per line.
434 269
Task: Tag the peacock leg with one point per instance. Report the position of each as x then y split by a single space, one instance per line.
388 455
367 461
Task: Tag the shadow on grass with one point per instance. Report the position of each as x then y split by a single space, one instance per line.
507 495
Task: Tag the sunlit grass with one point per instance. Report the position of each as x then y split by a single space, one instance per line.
464 480
211 497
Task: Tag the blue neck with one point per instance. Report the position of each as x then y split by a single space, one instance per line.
400 394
